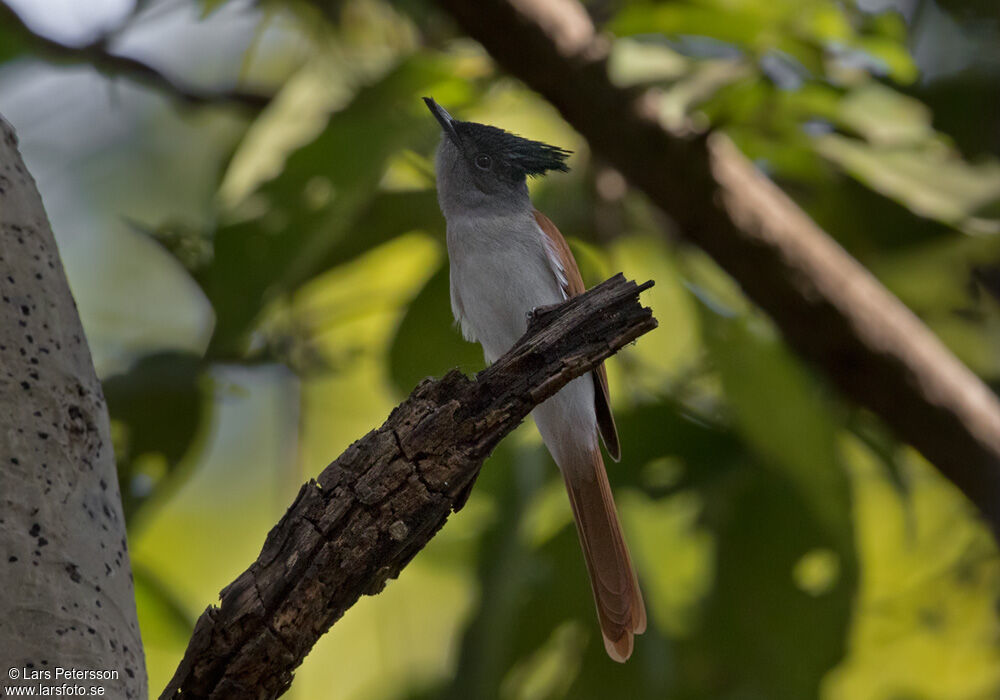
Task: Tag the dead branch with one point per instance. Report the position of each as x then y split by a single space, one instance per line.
378 504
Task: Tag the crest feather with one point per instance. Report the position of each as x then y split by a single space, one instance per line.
523 156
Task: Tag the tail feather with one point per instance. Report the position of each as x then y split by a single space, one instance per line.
620 608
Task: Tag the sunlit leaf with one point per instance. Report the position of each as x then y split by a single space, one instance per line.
798 30
634 62
738 25
932 181
662 357
925 616
892 54
675 554
885 117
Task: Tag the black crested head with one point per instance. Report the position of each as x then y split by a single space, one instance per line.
513 155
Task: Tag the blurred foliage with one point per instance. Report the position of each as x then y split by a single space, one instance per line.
157 407
287 284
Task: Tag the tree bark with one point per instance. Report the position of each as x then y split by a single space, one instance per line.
827 305
67 585
368 513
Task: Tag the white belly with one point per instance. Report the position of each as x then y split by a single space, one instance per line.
499 272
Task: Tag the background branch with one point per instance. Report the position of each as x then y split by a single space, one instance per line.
827 305
368 513
114 65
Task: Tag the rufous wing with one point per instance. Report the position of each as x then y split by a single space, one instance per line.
568 273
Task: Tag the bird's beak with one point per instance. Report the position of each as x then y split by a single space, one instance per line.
444 119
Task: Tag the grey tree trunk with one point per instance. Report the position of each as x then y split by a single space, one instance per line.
66 596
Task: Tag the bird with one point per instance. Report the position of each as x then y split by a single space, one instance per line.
506 259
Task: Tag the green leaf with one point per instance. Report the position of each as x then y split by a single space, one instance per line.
766 633
932 181
155 409
933 278
320 200
781 411
634 62
797 29
387 216
735 25
885 117
163 620
14 40
706 452
892 54
427 341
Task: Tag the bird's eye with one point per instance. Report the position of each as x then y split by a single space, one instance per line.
484 162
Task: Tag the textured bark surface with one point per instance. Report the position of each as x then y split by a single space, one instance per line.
827 305
368 513
64 566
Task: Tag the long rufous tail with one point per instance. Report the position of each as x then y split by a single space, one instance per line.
620 609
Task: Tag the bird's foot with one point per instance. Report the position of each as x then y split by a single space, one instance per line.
538 313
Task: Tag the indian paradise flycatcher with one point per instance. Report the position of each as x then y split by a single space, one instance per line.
507 258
